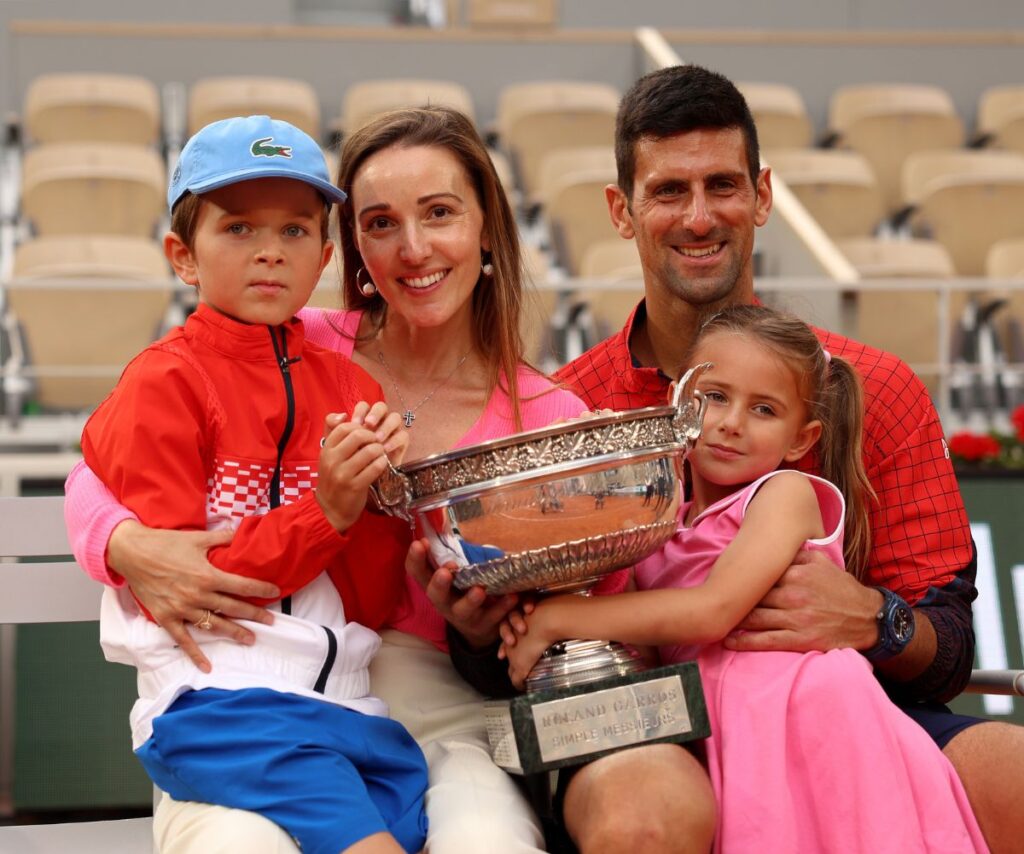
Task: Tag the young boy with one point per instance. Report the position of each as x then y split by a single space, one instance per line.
221 423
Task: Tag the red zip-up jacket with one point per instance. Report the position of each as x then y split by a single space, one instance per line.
220 422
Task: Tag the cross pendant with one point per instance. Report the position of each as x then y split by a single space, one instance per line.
409 417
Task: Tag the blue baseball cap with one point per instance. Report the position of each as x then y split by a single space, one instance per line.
242 149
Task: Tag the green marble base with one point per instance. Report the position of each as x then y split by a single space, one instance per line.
550 729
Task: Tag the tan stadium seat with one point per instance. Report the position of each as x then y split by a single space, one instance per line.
577 214
92 108
1005 260
362 101
512 13
94 330
1001 117
536 118
967 200
214 98
838 188
93 188
538 302
779 113
902 322
505 173
888 122
555 165
614 259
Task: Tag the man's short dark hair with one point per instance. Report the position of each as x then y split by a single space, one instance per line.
675 100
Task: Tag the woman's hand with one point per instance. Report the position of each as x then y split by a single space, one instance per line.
169 574
353 456
473 614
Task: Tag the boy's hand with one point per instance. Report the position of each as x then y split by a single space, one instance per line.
351 459
388 426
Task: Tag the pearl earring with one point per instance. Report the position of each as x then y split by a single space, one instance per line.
487 268
367 288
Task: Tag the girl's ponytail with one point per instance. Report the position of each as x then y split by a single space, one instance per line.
841 412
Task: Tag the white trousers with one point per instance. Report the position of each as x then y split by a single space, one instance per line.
472 805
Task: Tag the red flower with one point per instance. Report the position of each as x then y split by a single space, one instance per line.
1018 422
973 447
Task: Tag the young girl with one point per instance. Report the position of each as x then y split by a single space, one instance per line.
806 752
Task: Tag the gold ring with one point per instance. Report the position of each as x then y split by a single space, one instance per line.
205 623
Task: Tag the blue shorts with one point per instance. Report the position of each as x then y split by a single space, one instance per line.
939 721
329 776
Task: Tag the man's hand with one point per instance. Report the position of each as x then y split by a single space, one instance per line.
169 574
814 606
473 614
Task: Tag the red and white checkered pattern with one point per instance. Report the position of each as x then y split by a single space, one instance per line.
239 489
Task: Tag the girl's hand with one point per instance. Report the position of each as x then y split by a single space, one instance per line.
514 625
169 574
351 459
523 646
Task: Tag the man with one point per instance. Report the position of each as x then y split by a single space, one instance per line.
690 193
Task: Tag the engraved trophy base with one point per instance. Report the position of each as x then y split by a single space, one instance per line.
556 727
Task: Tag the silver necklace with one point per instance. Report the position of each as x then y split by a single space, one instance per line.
409 415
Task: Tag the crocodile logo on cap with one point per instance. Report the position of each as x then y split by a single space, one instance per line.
263 148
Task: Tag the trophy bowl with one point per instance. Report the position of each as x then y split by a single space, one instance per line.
553 510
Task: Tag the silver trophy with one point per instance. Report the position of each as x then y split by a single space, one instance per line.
554 510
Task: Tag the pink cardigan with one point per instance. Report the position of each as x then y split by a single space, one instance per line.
91 511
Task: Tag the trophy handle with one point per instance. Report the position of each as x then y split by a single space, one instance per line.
392 493
690 405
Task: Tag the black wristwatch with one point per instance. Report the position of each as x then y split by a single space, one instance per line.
895 627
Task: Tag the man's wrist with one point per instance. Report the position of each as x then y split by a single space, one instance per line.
895 622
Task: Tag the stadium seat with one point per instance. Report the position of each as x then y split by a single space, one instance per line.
900 321
967 200
93 188
1005 260
779 113
614 259
888 122
506 175
574 202
78 337
213 98
556 164
838 188
92 108
362 101
536 118
512 13
1001 117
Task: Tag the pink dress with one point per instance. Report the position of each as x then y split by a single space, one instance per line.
806 751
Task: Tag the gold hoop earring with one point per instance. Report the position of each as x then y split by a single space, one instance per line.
367 288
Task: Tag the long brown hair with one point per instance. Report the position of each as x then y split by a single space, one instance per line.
832 393
497 299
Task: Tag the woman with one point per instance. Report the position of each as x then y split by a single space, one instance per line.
432 283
